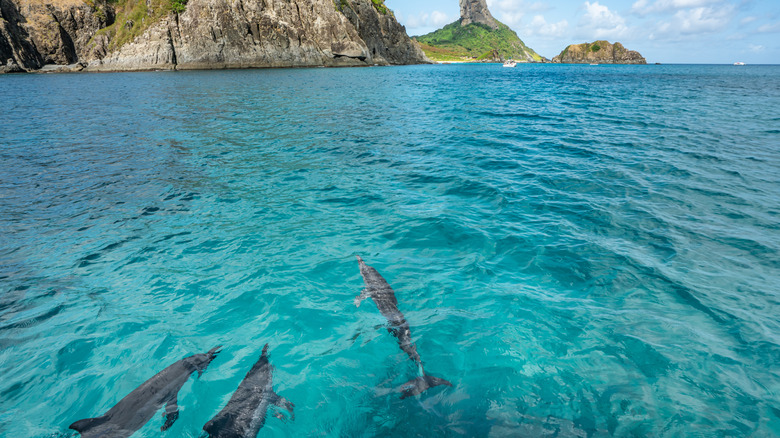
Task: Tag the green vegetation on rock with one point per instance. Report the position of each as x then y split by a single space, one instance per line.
379 5
134 17
178 6
475 42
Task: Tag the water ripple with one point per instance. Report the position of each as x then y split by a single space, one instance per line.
582 252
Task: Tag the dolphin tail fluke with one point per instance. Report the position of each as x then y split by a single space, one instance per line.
87 423
420 384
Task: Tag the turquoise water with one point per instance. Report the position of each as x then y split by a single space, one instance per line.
580 250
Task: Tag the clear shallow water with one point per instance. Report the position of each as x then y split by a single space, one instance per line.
582 251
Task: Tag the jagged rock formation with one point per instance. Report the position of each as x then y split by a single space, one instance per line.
385 38
601 52
153 34
476 11
476 37
17 52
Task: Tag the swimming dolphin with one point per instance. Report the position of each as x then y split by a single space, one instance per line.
138 407
380 291
244 414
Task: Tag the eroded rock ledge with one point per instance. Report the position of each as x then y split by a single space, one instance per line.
97 35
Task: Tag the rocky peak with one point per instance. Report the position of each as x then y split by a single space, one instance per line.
476 11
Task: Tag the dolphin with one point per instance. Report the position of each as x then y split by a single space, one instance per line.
380 291
138 407
244 414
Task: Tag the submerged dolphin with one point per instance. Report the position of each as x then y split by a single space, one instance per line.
138 407
380 291
244 414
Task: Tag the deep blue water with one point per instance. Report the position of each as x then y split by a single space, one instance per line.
582 251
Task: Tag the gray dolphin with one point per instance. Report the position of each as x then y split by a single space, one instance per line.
138 407
380 291
244 414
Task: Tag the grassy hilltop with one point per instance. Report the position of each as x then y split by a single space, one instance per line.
476 42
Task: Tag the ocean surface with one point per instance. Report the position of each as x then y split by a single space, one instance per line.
583 251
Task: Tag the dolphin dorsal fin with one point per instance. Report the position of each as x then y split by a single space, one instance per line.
87 423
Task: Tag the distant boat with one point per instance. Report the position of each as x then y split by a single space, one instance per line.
510 63
594 64
739 63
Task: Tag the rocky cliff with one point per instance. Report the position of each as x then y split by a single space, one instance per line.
476 11
600 52
101 35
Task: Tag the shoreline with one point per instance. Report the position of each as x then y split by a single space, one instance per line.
78 68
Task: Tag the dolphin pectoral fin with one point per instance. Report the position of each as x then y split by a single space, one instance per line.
87 423
363 295
171 413
283 403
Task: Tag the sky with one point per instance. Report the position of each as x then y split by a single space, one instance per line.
665 31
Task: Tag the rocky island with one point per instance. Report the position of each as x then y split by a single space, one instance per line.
125 35
599 52
476 37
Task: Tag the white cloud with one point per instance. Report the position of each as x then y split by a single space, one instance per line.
435 19
512 12
599 23
644 7
756 48
698 21
511 19
747 20
770 28
540 27
516 5
439 18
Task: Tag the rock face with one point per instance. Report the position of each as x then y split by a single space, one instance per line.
17 52
476 11
385 37
61 32
150 34
601 52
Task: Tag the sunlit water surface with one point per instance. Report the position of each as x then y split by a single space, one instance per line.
583 251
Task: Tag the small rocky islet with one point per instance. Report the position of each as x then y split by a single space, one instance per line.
598 52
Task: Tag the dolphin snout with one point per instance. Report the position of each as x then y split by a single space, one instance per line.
215 351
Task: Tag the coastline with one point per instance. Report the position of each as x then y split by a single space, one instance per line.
77 68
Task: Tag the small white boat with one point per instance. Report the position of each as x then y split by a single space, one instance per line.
510 63
739 63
